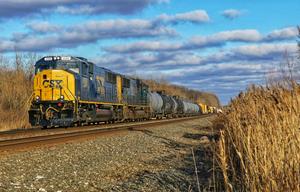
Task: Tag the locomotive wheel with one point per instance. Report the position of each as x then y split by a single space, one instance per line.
44 127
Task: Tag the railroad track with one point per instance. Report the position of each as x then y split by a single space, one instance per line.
35 141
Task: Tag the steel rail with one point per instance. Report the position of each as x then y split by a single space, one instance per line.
17 143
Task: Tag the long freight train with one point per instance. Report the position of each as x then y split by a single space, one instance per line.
72 90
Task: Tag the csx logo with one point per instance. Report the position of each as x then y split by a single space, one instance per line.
52 83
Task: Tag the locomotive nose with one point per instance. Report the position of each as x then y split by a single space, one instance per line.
53 85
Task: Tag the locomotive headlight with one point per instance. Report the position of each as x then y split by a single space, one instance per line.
62 97
37 99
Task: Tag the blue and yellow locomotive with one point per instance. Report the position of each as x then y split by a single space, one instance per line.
71 90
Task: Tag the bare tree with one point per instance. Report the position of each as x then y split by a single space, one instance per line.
288 71
18 61
3 62
298 45
288 68
29 61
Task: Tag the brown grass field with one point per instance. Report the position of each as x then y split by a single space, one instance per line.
260 143
15 91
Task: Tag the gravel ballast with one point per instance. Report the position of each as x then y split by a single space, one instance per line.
152 159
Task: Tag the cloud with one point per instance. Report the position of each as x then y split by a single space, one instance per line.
214 40
225 71
92 31
248 35
84 33
200 42
6 45
282 34
119 28
265 50
231 13
82 9
196 16
19 8
188 59
43 27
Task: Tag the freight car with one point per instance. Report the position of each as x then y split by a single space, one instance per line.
72 90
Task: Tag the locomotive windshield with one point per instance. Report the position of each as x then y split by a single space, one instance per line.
45 63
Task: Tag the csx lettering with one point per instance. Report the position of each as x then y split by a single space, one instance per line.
52 83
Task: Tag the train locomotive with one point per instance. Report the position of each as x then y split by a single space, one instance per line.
74 91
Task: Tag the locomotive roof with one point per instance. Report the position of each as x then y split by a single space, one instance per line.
68 58
62 58
81 59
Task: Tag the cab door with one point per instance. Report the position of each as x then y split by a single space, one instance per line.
85 87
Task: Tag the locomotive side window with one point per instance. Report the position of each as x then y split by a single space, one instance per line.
62 65
110 77
126 83
73 67
84 69
91 70
41 68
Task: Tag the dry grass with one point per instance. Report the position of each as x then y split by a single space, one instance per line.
15 91
260 143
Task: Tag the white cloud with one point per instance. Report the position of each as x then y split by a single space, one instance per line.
43 27
281 34
231 13
197 16
248 35
81 34
261 50
20 8
82 9
6 45
214 40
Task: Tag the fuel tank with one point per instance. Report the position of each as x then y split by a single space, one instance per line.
103 114
139 114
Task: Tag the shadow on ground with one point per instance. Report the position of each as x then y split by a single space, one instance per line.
180 174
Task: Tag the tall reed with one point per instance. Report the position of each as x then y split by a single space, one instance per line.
260 143
15 90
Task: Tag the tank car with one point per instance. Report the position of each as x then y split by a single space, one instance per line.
169 105
156 104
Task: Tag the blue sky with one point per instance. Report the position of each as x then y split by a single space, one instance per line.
204 45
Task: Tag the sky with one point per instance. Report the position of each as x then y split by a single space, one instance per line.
207 45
